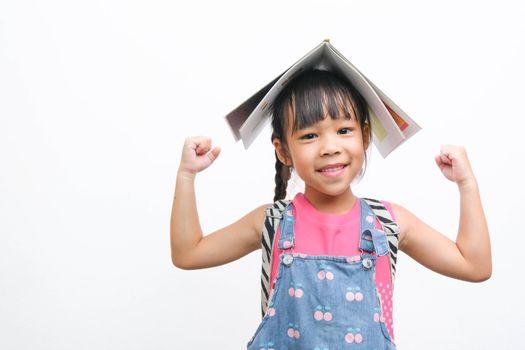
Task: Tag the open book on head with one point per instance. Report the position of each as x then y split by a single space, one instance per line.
390 125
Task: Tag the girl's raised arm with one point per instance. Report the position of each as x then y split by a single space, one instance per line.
189 249
469 258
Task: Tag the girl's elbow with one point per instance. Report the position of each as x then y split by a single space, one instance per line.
480 275
485 276
480 278
176 262
181 263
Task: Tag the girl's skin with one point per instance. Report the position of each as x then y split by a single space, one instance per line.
328 156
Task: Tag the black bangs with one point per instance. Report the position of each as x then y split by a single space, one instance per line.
314 95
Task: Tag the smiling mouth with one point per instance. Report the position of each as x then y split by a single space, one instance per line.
332 168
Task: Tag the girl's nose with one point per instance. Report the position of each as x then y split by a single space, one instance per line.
329 146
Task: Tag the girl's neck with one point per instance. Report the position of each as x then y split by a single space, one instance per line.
338 204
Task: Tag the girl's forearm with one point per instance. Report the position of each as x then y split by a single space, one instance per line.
185 229
473 235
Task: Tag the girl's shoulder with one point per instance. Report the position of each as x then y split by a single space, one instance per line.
380 206
260 215
404 219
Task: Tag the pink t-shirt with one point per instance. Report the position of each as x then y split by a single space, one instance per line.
318 233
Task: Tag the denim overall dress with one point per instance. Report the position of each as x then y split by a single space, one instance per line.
325 302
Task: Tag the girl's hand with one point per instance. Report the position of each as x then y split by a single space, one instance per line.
196 155
454 164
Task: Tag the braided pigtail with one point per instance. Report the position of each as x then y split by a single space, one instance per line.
279 125
282 175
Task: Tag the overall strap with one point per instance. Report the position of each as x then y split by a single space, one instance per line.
271 222
371 239
286 236
390 228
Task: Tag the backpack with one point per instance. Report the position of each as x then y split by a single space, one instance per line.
273 217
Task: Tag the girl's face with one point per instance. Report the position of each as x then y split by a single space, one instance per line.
327 155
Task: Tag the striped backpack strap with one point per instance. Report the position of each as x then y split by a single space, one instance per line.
271 222
391 229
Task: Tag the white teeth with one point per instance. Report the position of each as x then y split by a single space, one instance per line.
330 170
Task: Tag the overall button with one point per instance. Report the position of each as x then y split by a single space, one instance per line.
288 259
367 263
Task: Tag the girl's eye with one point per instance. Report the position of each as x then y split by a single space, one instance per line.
308 136
344 131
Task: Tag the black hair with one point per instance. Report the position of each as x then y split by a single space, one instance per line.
310 97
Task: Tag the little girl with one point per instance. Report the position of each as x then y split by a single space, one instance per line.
330 256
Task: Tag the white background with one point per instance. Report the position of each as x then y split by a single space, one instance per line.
97 97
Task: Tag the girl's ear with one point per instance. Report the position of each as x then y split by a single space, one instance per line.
366 136
280 150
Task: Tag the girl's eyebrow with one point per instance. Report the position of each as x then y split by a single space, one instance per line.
352 121
304 128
